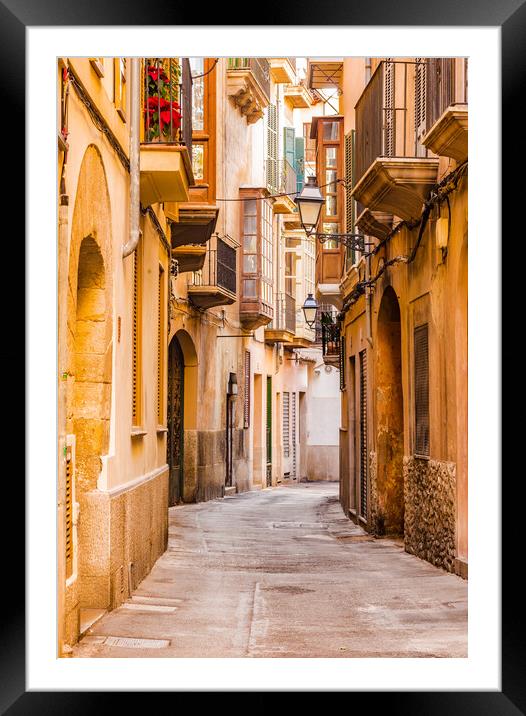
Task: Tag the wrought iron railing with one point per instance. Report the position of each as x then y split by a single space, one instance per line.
382 116
219 268
281 177
259 66
330 339
167 101
284 313
441 90
324 314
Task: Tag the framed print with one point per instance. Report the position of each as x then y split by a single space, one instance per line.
178 222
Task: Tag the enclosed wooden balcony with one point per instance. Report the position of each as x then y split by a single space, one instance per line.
192 224
283 326
248 85
215 284
166 131
394 173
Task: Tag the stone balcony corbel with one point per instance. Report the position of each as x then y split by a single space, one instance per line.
448 137
246 93
375 223
397 185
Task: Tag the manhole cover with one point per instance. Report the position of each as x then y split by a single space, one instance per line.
131 643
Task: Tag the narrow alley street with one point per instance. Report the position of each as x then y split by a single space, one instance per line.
283 573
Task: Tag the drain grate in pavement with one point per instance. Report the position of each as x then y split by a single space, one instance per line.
135 643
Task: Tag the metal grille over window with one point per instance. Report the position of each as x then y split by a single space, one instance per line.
246 404
350 218
69 513
421 391
363 434
286 424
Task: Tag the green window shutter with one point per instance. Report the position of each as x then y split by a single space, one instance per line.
299 162
288 144
350 217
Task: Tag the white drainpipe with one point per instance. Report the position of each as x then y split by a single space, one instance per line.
135 199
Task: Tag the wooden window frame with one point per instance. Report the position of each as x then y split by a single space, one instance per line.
119 84
204 190
97 65
260 196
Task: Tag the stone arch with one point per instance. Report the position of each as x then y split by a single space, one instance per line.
182 417
389 418
461 373
89 360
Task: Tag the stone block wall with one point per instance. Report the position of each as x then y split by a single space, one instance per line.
430 489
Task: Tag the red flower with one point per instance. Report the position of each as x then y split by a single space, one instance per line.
156 73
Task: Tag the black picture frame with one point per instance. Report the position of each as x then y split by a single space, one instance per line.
510 16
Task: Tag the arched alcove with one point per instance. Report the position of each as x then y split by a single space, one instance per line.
389 418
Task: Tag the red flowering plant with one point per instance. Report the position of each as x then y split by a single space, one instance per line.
162 112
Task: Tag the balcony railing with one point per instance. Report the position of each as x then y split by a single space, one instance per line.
441 90
259 67
284 313
325 314
330 339
281 177
219 268
381 118
167 106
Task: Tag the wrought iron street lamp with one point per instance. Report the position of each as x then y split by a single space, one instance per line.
309 204
309 310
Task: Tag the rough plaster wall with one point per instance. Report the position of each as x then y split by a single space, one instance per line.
430 488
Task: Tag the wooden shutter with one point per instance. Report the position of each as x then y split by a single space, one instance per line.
70 476
286 424
136 338
389 109
288 144
421 391
350 218
272 148
420 105
246 403
299 162
363 434
160 347
342 362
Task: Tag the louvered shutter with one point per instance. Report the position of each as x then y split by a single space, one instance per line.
389 110
420 105
272 149
69 511
421 391
363 434
350 218
299 162
342 362
288 144
286 424
246 403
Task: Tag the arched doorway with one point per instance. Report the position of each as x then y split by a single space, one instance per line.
175 438
181 444
389 418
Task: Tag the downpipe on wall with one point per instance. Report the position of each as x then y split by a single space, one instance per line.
135 200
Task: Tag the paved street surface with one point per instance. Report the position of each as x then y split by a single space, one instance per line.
283 573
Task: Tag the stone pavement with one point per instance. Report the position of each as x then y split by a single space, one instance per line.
283 573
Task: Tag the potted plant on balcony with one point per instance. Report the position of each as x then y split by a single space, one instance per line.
162 112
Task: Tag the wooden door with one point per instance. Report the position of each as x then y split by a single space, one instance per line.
175 438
